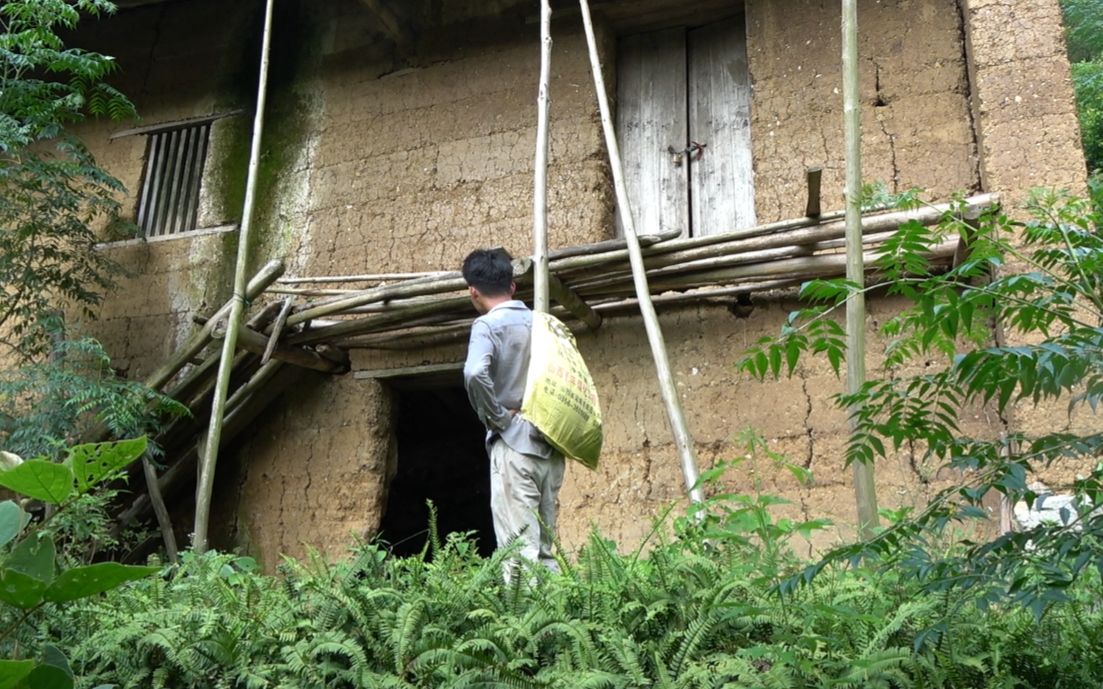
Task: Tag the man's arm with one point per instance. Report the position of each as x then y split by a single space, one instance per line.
477 380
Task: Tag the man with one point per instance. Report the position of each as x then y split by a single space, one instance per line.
525 471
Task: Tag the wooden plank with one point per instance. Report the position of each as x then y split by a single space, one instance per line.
424 369
566 297
721 181
651 117
277 330
815 177
178 124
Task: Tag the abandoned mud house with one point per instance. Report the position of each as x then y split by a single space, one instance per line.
400 135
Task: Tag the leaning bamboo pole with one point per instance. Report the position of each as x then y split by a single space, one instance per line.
540 169
682 439
865 489
197 342
214 433
160 510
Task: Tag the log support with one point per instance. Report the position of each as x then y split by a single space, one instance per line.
566 297
252 341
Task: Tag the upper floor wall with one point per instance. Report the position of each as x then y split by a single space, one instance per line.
384 155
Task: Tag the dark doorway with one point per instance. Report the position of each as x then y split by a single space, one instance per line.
441 457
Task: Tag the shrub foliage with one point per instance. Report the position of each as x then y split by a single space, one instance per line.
699 610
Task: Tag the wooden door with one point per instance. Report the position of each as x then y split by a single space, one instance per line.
675 87
721 181
651 117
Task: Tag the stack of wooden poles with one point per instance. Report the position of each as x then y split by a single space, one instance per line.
593 280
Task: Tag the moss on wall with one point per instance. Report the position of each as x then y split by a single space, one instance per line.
287 127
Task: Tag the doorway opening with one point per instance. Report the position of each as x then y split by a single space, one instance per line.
441 457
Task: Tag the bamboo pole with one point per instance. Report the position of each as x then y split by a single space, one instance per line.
449 282
160 511
195 344
591 257
365 277
540 169
277 331
252 341
229 345
865 489
682 439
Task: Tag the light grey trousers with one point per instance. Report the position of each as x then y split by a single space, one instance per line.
524 492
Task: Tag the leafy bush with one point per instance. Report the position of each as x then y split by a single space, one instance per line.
697 610
1084 34
53 189
1040 281
30 576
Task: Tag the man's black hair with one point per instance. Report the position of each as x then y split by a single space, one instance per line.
489 270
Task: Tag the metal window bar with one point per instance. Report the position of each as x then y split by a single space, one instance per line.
169 200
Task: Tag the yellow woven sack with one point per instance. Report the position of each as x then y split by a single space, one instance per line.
560 397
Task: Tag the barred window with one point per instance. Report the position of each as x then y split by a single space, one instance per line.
169 200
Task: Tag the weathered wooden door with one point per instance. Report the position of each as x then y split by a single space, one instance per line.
678 88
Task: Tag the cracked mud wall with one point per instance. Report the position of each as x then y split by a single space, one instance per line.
312 475
1023 99
406 167
408 170
917 129
640 472
1030 138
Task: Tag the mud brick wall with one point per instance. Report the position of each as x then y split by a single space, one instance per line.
916 121
408 171
375 166
169 75
1030 138
1023 97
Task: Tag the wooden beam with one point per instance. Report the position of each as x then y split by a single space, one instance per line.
252 341
424 369
814 176
566 297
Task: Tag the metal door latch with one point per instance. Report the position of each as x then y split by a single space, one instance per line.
694 151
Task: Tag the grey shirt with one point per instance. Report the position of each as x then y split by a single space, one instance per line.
494 375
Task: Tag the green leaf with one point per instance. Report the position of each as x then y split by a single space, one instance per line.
20 590
53 672
93 463
11 521
81 582
12 671
39 479
34 557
